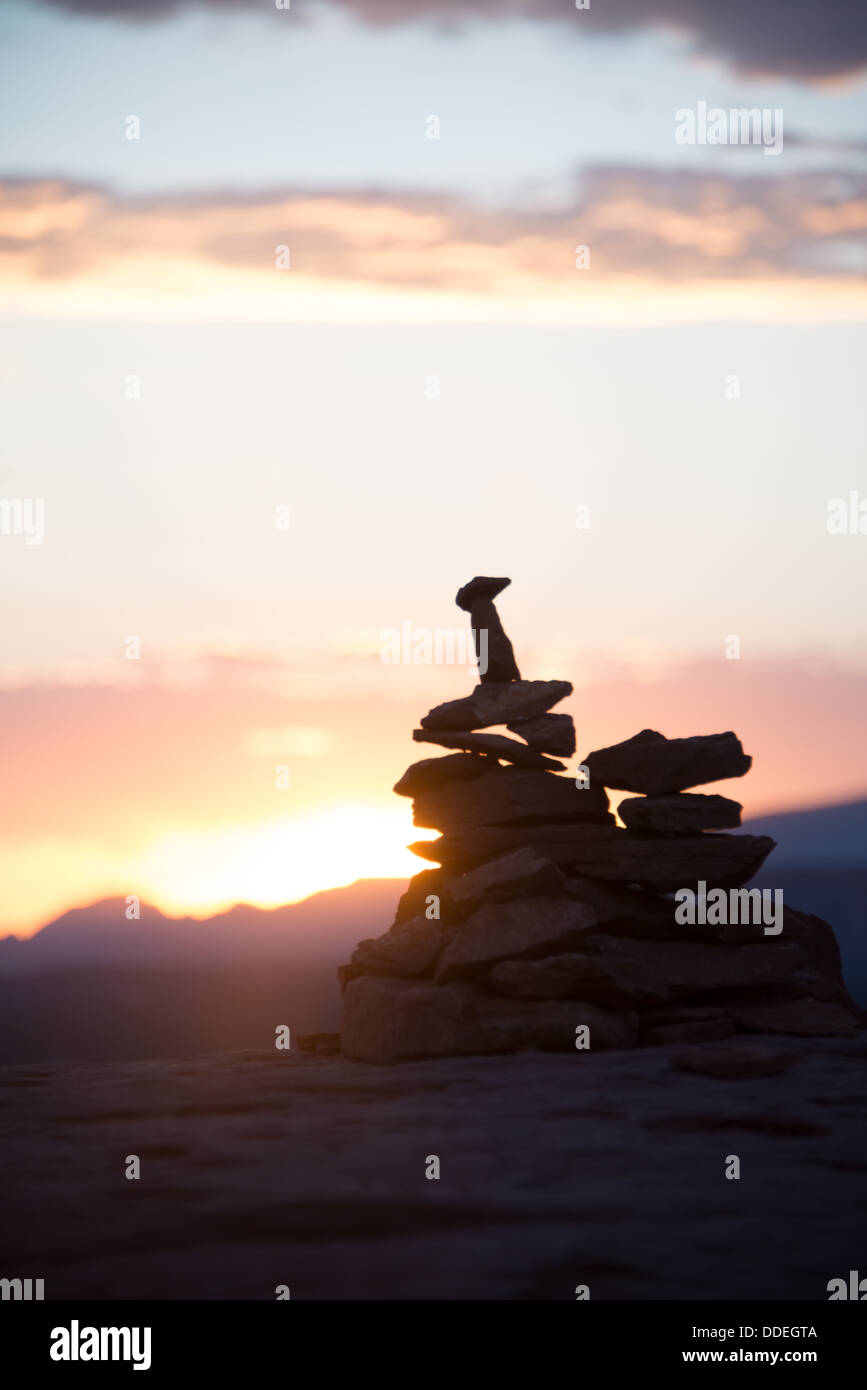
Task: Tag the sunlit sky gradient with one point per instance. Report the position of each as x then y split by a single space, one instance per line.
310 388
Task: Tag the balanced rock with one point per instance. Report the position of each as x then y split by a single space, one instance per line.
493 649
817 940
545 918
407 948
680 813
509 795
623 910
496 745
503 931
515 1025
688 967
610 983
600 851
415 900
656 765
547 733
521 874
498 702
433 772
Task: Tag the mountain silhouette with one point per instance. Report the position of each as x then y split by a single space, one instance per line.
317 928
92 985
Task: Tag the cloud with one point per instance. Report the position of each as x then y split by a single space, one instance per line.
647 230
789 38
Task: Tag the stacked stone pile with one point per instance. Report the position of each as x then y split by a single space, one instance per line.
545 924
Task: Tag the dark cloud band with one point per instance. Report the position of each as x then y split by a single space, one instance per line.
800 39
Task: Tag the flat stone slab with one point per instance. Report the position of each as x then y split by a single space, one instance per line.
521 874
508 795
482 587
548 733
604 852
688 967
434 772
497 931
497 702
656 765
495 745
494 651
680 813
610 983
606 1168
407 948
388 1020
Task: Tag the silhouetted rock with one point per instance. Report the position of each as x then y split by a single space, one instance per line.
387 1020
609 983
606 852
407 948
482 587
502 931
655 765
415 900
493 650
521 874
496 745
433 772
688 967
497 703
680 813
625 910
545 917
509 795
547 733
346 973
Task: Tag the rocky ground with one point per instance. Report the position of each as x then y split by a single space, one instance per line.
261 1169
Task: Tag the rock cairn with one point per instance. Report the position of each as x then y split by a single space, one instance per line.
548 926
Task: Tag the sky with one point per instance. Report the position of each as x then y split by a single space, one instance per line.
283 371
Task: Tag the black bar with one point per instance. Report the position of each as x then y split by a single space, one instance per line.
217 1338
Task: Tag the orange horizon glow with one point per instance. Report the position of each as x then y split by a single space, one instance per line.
201 874
168 791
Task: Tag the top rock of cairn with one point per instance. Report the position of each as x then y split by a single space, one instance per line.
493 648
544 918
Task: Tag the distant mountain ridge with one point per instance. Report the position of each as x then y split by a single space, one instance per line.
817 838
93 986
321 927
820 863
